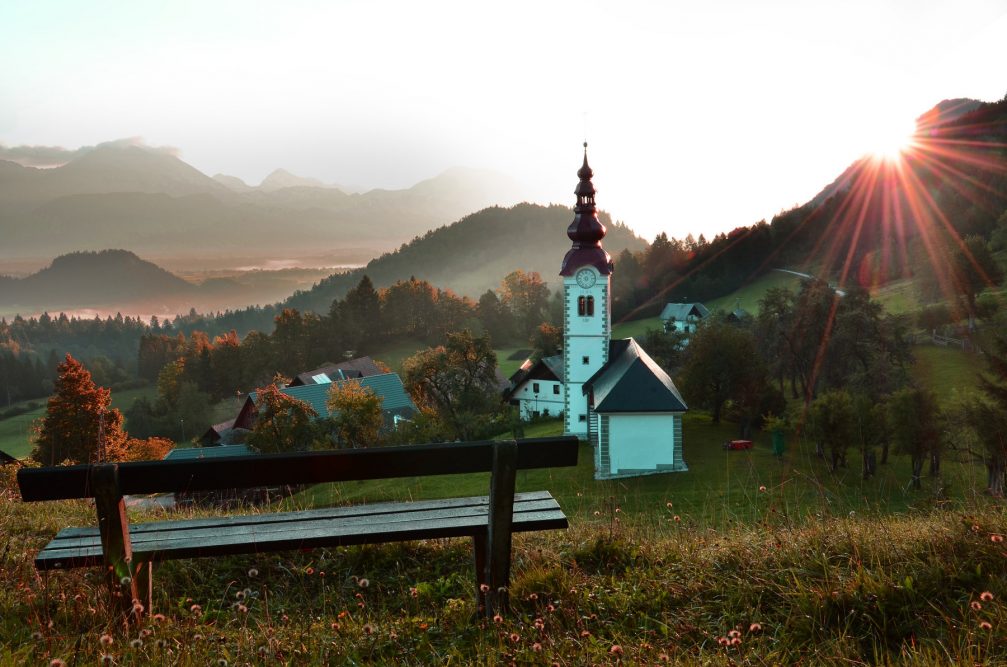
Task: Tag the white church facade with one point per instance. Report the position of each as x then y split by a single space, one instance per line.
614 395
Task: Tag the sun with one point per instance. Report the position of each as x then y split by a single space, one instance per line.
889 141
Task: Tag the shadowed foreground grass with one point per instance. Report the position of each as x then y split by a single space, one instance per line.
921 588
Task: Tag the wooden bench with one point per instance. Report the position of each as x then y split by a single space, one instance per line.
128 553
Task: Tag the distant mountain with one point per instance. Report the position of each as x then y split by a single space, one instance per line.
121 194
475 253
281 178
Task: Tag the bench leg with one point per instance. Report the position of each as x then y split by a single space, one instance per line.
479 555
113 524
501 513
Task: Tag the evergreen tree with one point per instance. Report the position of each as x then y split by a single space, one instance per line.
79 425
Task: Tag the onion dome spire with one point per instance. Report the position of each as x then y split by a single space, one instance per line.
586 231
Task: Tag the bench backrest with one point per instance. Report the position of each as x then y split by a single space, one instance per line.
141 477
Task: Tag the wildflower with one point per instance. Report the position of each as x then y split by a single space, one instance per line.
597 513
105 639
985 625
146 633
262 651
342 614
56 662
975 605
137 608
986 596
240 595
363 583
361 605
755 627
677 519
736 641
415 592
136 643
550 608
253 573
539 624
618 509
537 647
424 626
321 573
668 504
663 657
762 488
158 618
615 650
533 597
369 629
733 633
197 637
997 538
585 633
309 571
196 609
515 637
497 618
242 609
723 641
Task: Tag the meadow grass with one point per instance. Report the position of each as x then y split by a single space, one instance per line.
926 587
944 369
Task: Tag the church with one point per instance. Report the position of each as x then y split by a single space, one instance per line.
614 395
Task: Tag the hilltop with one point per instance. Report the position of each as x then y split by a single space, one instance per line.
473 254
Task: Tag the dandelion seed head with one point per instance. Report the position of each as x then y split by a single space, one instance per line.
126 581
136 643
363 583
253 573
240 595
762 488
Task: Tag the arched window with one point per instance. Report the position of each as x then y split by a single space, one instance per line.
581 306
590 306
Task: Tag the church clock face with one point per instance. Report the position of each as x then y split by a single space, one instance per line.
586 278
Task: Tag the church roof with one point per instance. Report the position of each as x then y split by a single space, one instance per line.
632 382
586 231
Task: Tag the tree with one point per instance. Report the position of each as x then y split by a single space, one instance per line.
149 449
283 423
973 268
456 382
79 425
991 416
870 431
527 297
547 340
722 364
831 422
914 423
356 416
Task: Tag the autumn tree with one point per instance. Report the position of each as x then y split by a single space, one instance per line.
148 449
283 423
527 297
456 382
356 417
79 425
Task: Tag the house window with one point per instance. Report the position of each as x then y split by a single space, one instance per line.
534 387
585 360
555 389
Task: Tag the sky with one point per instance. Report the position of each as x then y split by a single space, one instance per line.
701 116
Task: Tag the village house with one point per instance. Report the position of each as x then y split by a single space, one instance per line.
683 317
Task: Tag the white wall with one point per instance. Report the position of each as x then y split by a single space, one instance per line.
641 441
544 400
584 337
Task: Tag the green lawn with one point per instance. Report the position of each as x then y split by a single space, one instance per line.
636 328
394 355
16 431
720 487
943 369
897 297
749 295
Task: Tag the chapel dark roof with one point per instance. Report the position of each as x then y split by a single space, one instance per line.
586 231
632 382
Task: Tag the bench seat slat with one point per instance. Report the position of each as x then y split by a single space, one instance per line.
278 523
318 529
137 530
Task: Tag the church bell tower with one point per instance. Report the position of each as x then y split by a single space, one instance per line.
587 301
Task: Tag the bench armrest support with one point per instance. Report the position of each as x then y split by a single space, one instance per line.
501 510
